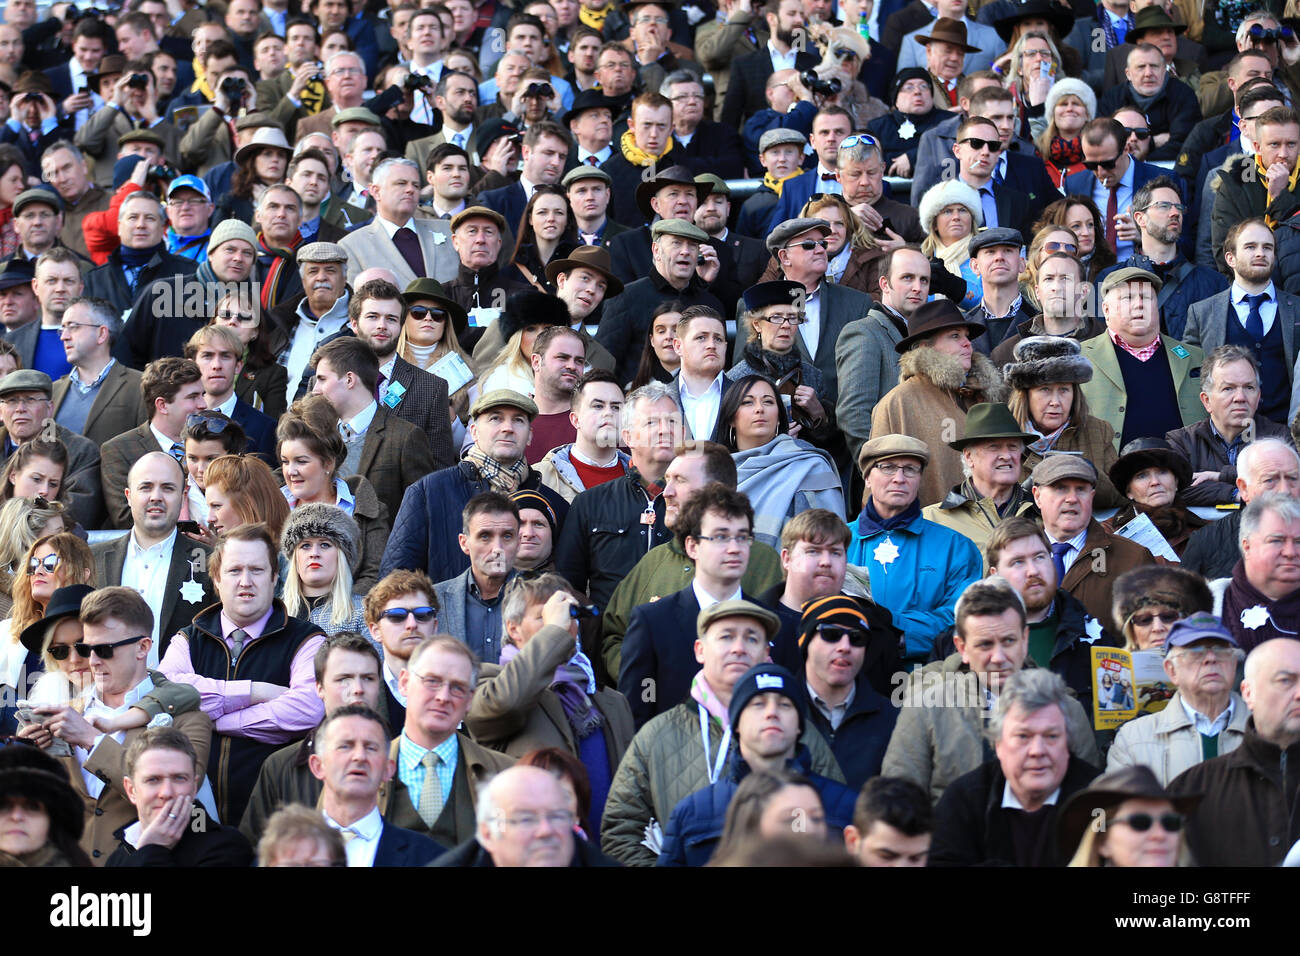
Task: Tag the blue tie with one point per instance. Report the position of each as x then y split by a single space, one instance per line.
1059 550
1255 320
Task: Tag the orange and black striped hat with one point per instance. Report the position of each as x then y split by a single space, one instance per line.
836 609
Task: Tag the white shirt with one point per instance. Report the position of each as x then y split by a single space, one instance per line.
390 228
1011 802
198 503
461 139
706 599
1267 308
830 187
78 74
601 155
528 187
391 680
145 571
1205 726
227 407
422 110
361 421
701 412
362 846
163 441
310 334
1123 200
780 61
97 708
811 330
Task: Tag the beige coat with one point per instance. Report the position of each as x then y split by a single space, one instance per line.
1167 741
930 403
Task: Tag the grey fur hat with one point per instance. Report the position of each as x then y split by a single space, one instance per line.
1047 360
316 520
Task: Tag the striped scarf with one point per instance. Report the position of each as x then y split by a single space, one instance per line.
277 261
502 477
1262 179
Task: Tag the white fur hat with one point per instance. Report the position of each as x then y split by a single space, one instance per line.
1070 87
945 194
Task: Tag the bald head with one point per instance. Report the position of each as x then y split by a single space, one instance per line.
155 487
378 272
1271 690
1268 464
525 818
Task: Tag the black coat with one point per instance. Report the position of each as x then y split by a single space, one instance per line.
747 86
472 853
109 282
1213 551
713 148
509 201
626 320
399 847
207 845
1204 452
863 736
631 258
1175 113
892 142
260 429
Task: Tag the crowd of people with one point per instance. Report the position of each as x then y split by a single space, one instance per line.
624 432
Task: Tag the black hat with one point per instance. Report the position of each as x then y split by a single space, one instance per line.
65 602
1159 585
1108 791
776 292
17 271
902 76
1010 12
766 678
431 290
1143 453
27 771
585 100
532 308
1046 360
846 611
491 131
934 317
672 176
536 501
996 236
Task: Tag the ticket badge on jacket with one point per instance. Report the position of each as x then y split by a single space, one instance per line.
394 394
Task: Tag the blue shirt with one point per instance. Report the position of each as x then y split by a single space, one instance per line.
1123 200
410 766
49 356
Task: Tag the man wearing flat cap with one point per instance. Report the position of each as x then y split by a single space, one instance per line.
996 257
672 193
667 761
1146 384
712 215
590 191
479 286
108 133
301 325
38 218
780 156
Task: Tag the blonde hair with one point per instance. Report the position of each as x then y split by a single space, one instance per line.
858 237
1094 837
341 609
1044 140
1018 54
511 357
22 521
444 346
76 566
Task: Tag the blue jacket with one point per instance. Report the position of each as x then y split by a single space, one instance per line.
860 742
800 119
399 847
1184 284
695 827
920 585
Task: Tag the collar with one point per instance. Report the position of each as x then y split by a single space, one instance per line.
1203 724
1011 802
99 379
253 630
459 207
1141 354
362 420
227 407
163 441
161 547
714 386
827 708
708 600
393 686
129 699
1015 308
410 754
1239 294
390 228
367 828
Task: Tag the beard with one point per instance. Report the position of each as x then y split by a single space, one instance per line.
1166 234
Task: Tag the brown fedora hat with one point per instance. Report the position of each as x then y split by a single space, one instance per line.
948 30
1109 791
672 176
595 258
934 317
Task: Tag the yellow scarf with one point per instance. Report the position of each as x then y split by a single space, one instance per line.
1263 181
776 185
595 18
638 156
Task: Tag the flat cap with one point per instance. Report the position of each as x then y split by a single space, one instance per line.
38 194
1129 274
678 227
787 230
478 212
997 236
355 114
585 172
26 380
229 230
779 137
736 608
1061 465
503 396
717 185
141 136
321 252
892 446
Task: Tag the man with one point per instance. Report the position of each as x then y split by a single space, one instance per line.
347 673
545 147
359 161
640 156
1065 297
1088 559
210 141
670 193
500 425
448 174
1254 314
921 601
173 391
161 771
121 679
1257 598
525 819
1132 358
977 147
1254 186
1210 718
856 720
70 78
731 637
716 531
1221 127
1111 180
322 313
168 571
309 175
767 714
456 96
1244 818
916 47
479 287
866 362
595 562
785 22
345 81
217 351
995 258
1169 103
830 127
992 449
593 457
799 246
351 763
945 46
25 410
18 305
277 215
558 358
705 146
590 122
57 281
737 29
130 115
1158 211
99 398
1109 24
411 248
779 154
141 225
583 281
892 823
64 167
247 635
438 768
425 42
700 341
38 220
712 215
1033 773
1230 392
189 212
590 191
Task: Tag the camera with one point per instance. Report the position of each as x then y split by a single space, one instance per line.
543 90
579 611
138 81
819 86
233 88
161 173
417 82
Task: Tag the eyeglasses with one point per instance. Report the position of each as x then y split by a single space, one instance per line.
347 71
889 469
834 633
687 98
742 538
455 689
1069 247
421 312
1222 652
1141 132
23 401
72 327
181 203
1145 620
559 819
1141 822
992 145
1165 205
243 318
60 652
1035 54
808 245
49 563
212 424
398 615
105 651
791 318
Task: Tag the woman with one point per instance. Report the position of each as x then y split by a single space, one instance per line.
13 180
462 61
1125 818
41 816
1033 66
35 470
572 775
241 489
1070 105
846 51
913 112
762 807
1080 215
659 360
263 381
1146 603
259 163
335 41
1047 401
311 452
1151 475
321 545
853 256
951 212
209 435
429 334
525 315
22 521
299 836
548 233
781 475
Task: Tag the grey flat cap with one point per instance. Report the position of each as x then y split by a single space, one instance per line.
322 252
778 137
787 230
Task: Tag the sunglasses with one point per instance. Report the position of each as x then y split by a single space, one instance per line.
808 245
1142 822
845 54
1167 617
992 145
60 652
398 614
421 311
213 424
859 139
105 651
49 563
1095 164
1069 247
834 633
1141 132
229 316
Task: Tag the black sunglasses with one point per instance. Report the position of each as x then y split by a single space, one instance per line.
60 652
1142 822
808 245
1095 164
1141 132
834 633
398 615
993 145
420 311
213 424
105 651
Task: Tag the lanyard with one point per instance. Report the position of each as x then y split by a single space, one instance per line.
716 770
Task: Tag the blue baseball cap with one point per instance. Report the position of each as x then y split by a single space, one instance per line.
190 182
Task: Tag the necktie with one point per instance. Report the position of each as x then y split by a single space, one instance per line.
409 246
1112 210
348 835
830 177
1059 550
1254 320
431 792
458 139
592 160
237 637
178 452
381 387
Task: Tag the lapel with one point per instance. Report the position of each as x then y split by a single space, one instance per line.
1286 314
1102 354
374 440
427 229
115 558
178 571
1083 563
389 848
58 391
112 383
1178 364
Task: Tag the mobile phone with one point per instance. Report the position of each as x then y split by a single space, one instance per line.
192 527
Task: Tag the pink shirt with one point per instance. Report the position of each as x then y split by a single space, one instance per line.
228 702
